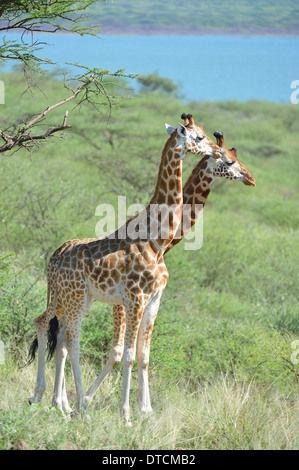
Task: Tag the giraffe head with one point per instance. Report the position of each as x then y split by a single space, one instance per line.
231 169
193 139
223 162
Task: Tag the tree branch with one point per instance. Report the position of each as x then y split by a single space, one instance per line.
28 139
36 16
23 137
91 87
60 103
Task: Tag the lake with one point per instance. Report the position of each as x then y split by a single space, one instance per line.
205 67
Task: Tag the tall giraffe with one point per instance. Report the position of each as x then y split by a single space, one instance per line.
195 193
117 270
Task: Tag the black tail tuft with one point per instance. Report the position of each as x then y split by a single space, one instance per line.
32 352
52 342
52 337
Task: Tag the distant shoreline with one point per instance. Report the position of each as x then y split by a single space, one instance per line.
159 31
127 30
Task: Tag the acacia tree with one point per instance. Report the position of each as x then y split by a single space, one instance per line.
30 16
51 16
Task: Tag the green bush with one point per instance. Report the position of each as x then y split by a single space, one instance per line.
153 82
21 300
97 333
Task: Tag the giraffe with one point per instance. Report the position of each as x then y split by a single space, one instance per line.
117 270
199 184
195 193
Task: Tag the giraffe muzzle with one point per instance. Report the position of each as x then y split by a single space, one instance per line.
249 180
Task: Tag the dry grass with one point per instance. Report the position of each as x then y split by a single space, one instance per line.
220 415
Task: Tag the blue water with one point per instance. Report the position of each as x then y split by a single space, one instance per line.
205 67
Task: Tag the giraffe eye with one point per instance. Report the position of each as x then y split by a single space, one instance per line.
230 163
199 138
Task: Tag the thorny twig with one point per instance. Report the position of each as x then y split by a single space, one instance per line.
91 86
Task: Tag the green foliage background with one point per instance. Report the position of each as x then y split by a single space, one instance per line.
229 308
212 15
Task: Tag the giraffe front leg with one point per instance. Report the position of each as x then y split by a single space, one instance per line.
119 327
133 318
143 353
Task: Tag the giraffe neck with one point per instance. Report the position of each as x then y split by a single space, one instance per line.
195 194
155 226
169 181
167 201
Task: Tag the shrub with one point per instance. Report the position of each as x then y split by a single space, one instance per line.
153 82
21 300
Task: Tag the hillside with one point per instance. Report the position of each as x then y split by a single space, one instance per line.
221 362
197 17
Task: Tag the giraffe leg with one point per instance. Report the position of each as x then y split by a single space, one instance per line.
72 344
74 311
60 399
65 403
60 358
133 317
41 324
73 350
59 396
143 352
119 325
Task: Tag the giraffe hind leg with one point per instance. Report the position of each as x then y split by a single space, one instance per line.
72 345
46 337
39 345
59 399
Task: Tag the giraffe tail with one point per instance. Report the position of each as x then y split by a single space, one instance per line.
52 331
32 351
52 336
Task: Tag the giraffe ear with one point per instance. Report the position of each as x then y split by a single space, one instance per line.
182 131
169 128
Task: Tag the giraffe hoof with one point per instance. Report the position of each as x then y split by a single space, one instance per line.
68 411
88 399
147 411
33 399
75 414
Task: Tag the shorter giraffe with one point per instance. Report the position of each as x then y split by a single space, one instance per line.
199 184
